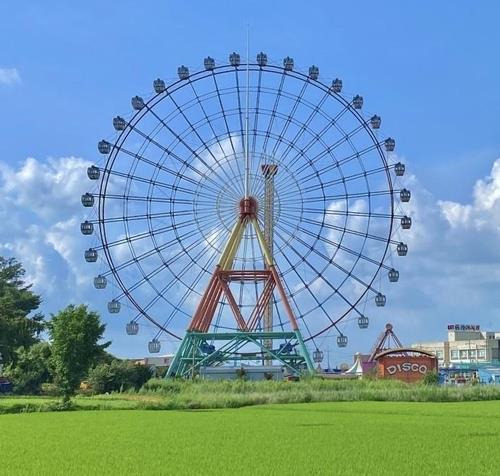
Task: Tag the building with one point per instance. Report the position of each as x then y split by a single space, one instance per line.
157 361
406 364
466 345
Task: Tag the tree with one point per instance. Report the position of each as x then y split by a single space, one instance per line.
75 334
18 328
31 368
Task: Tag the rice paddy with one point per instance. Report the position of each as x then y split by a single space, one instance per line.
317 438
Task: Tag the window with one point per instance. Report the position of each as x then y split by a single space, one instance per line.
463 354
454 354
481 353
439 354
472 354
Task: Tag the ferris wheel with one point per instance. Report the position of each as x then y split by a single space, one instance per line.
247 168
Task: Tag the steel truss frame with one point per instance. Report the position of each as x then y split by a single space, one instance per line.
190 357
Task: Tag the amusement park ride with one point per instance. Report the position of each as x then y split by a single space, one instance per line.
251 204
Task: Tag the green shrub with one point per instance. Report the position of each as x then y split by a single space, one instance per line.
431 378
50 390
118 376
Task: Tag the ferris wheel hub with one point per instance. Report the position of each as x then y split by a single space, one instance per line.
248 207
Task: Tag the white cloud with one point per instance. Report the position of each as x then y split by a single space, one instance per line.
9 76
40 206
484 212
451 273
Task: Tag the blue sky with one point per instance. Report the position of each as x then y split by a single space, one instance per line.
428 68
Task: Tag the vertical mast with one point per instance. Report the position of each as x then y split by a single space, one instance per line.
269 171
247 120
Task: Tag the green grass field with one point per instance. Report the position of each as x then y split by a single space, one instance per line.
316 438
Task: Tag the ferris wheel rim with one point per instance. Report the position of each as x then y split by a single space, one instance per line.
220 70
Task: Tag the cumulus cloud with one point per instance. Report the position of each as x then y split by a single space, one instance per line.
40 203
9 76
484 211
451 273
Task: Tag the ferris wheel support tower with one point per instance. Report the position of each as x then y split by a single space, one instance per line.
195 352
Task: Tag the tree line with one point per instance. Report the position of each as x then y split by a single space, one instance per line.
73 352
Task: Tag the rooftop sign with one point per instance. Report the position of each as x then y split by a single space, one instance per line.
463 327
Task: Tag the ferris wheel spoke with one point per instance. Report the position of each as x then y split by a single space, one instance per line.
256 115
331 260
147 234
305 126
338 162
209 122
148 181
136 259
350 178
223 110
140 198
297 307
180 140
346 197
305 285
240 110
177 308
290 115
143 216
318 273
174 173
333 146
317 211
165 265
341 229
273 113
277 313
317 138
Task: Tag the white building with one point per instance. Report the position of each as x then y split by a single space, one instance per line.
466 344
157 361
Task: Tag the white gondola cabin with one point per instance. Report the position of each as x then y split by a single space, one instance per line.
380 300
336 86
90 255
137 103
87 200
159 86
402 249
119 123
363 322
357 101
100 282
288 63
86 227
132 328
393 275
154 346
234 59
114 306
93 172
183 72
104 147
